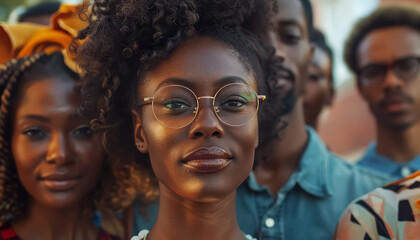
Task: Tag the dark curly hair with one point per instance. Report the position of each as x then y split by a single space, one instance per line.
127 38
116 188
383 17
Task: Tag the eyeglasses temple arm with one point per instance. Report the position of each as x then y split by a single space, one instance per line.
262 97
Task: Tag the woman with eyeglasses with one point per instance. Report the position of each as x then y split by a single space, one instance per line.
186 74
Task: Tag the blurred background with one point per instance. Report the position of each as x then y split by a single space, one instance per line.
347 126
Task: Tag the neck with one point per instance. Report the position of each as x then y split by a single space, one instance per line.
44 222
399 145
179 218
281 157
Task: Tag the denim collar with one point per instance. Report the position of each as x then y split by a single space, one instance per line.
312 175
384 164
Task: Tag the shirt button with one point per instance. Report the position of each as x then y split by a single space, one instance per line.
405 171
269 222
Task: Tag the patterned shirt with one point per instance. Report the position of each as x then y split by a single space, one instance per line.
389 212
375 161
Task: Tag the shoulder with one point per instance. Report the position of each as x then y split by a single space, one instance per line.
344 169
380 212
103 235
7 232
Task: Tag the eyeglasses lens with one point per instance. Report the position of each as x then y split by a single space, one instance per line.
177 106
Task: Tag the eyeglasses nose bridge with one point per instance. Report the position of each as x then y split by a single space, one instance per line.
204 97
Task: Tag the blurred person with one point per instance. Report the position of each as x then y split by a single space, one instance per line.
39 13
54 171
319 91
383 50
298 188
23 39
388 212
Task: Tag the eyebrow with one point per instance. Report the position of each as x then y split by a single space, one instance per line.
219 83
289 21
35 117
45 119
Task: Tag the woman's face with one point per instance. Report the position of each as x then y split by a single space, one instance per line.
207 159
58 158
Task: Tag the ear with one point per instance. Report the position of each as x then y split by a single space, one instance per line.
257 142
331 96
139 137
360 88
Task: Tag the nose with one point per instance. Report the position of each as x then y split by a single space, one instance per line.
206 124
279 52
392 81
58 150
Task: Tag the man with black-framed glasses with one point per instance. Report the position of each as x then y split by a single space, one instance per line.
383 50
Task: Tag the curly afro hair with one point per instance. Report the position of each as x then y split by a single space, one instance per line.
383 17
127 38
118 185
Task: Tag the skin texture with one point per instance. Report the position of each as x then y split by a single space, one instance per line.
202 203
318 92
289 35
395 103
49 139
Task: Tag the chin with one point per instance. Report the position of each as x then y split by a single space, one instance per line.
61 200
208 191
398 124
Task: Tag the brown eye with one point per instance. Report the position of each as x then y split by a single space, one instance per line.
35 133
290 35
82 132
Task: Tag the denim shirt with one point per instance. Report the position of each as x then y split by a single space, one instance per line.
375 161
310 203
307 207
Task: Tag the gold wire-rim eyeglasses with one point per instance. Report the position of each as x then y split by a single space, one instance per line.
150 100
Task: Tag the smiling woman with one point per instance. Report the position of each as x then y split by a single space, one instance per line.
177 81
50 159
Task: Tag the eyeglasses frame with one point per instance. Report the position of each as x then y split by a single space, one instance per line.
388 68
150 100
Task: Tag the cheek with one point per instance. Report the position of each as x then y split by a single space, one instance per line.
247 139
27 156
91 156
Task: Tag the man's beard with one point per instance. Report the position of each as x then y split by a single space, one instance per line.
289 101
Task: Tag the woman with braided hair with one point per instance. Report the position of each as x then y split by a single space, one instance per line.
54 172
173 84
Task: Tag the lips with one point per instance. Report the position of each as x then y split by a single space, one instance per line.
207 160
60 182
395 103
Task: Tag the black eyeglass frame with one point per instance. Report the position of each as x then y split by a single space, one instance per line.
385 69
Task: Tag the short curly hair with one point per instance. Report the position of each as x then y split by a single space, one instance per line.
383 17
127 38
116 188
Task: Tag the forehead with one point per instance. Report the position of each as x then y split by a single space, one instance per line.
321 58
202 62
290 11
48 93
388 44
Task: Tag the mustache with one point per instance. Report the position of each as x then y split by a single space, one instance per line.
282 71
395 96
